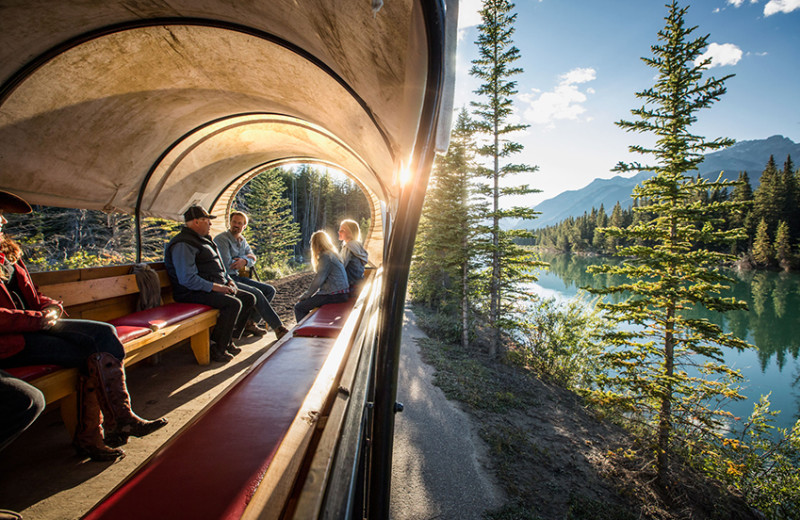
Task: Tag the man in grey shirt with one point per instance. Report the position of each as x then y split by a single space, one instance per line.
237 256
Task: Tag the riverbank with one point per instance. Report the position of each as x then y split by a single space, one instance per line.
555 458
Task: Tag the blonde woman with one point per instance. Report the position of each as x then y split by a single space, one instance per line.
353 254
330 281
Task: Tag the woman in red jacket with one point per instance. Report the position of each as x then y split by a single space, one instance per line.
32 332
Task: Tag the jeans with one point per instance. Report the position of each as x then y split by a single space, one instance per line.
303 307
68 343
233 311
264 293
20 405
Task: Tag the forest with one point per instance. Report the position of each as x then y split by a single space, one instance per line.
768 216
285 206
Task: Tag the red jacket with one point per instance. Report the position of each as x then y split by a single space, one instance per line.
14 321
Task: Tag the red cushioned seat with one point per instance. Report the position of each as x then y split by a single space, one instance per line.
32 372
211 468
127 333
162 316
326 322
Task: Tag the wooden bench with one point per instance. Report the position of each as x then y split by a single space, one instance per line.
247 446
110 294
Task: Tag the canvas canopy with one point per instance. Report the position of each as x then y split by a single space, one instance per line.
149 106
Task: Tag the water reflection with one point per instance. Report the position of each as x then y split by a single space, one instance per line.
772 323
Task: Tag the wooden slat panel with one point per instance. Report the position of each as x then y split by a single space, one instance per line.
73 293
50 277
89 273
108 309
110 271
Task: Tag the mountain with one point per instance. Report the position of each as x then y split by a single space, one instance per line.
749 156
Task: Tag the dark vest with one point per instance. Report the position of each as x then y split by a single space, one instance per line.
209 264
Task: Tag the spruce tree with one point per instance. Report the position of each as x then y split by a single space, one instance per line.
510 266
616 221
791 212
598 239
440 275
271 231
762 250
742 217
666 274
769 199
783 246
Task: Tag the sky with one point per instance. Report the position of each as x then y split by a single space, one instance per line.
582 67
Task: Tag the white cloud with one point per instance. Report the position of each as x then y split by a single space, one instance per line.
721 55
469 13
781 6
737 3
565 101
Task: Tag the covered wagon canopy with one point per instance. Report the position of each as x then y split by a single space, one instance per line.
148 106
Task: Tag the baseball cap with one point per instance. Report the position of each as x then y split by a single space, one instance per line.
196 212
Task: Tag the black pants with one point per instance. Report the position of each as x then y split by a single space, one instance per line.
233 311
264 293
303 307
68 343
20 405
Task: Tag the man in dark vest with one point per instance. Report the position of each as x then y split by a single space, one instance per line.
198 276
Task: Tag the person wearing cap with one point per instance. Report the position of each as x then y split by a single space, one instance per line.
33 332
198 275
237 255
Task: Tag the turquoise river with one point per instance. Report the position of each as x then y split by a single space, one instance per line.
771 323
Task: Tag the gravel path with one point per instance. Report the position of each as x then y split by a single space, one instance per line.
437 470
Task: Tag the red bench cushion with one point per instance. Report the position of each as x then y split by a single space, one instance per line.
127 333
162 316
30 373
326 322
212 467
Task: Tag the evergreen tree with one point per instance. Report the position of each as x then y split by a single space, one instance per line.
598 238
783 246
667 275
743 217
271 231
510 265
762 250
791 212
440 275
616 221
769 199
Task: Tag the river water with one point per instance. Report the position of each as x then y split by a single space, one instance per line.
771 323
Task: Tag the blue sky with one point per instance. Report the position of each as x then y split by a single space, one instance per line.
582 66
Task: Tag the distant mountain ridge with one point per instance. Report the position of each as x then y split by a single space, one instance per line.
749 156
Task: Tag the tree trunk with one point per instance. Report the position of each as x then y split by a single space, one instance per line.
665 414
465 305
494 311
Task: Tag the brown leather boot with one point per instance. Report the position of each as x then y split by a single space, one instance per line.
88 439
281 332
113 395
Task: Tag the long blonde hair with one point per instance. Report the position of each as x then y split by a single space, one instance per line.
352 229
320 243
